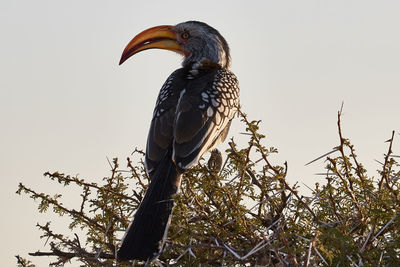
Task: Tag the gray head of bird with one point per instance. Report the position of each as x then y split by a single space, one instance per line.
196 41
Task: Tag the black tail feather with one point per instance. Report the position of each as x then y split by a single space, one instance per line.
144 237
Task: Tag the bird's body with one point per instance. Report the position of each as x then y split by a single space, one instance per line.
192 115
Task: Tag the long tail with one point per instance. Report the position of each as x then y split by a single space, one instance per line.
144 237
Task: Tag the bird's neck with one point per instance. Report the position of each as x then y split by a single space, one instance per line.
195 68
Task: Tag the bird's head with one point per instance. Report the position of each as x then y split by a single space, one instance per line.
196 41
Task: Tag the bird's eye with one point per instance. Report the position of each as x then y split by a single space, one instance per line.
185 35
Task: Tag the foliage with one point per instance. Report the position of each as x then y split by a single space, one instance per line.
244 215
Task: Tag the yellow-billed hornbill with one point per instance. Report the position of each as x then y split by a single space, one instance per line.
193 113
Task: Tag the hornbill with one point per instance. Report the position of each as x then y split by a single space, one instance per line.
192 115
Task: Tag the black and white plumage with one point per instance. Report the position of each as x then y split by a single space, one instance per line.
192 116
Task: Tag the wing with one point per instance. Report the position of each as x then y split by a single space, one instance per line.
203 115
160 136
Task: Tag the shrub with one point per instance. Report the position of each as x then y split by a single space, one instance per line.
246 214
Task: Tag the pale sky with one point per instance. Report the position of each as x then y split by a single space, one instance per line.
65 104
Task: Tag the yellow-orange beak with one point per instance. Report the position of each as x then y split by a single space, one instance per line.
161 37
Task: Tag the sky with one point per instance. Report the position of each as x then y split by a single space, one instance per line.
66 105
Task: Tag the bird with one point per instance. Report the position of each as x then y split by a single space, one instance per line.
192 115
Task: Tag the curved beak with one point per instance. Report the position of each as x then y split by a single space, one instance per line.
161 37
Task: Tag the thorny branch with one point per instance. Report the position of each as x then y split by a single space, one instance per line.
351 218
